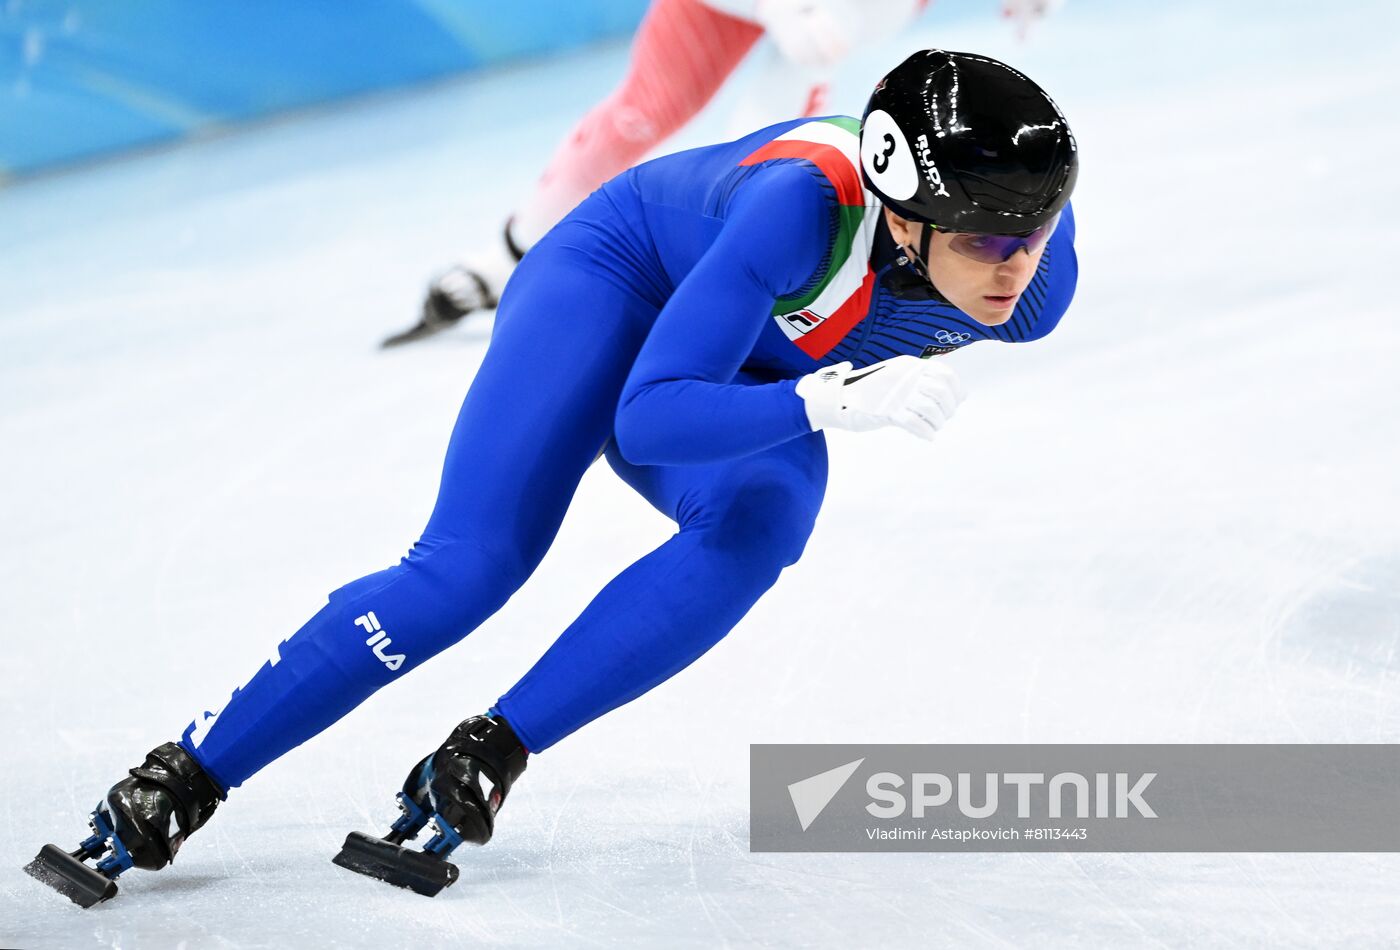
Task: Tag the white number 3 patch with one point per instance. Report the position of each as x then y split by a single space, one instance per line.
884 151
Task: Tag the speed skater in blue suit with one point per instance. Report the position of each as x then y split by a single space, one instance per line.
698 321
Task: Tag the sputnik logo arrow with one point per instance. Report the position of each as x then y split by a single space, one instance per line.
811 795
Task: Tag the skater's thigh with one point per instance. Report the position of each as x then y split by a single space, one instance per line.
543 401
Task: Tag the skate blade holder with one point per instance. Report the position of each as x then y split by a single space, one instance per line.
66 872
424 872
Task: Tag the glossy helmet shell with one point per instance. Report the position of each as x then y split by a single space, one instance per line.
966 143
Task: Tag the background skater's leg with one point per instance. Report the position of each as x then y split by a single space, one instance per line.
682 53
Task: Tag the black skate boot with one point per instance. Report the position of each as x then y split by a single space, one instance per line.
459 789
143 821
462 289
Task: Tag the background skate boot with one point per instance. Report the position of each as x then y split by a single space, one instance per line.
475 284
143 821
459 788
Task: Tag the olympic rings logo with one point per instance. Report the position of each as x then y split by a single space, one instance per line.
952 339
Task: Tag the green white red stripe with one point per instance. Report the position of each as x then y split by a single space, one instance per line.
841 298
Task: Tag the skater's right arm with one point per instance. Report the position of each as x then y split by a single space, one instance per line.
680 404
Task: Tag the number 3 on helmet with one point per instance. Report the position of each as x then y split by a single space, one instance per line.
966 143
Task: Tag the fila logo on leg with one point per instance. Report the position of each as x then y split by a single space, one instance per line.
379 641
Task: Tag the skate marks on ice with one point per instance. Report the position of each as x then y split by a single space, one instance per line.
660 856
1338 646
1351 625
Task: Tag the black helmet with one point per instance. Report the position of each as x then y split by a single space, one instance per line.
966 143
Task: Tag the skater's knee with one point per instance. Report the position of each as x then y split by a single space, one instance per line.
471 562
763 521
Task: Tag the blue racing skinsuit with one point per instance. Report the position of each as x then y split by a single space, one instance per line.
665 322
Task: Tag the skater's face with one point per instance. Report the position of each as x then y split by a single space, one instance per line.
986 292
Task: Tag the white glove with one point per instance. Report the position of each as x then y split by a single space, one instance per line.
915 394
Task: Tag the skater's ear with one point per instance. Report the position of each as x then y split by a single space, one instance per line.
901 229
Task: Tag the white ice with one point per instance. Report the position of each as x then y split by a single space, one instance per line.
1174 520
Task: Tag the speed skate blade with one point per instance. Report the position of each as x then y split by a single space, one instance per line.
419 331
418 871
83 885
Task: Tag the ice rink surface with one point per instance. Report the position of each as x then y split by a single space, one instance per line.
1174 520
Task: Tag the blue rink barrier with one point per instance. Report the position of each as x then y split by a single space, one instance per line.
83 78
